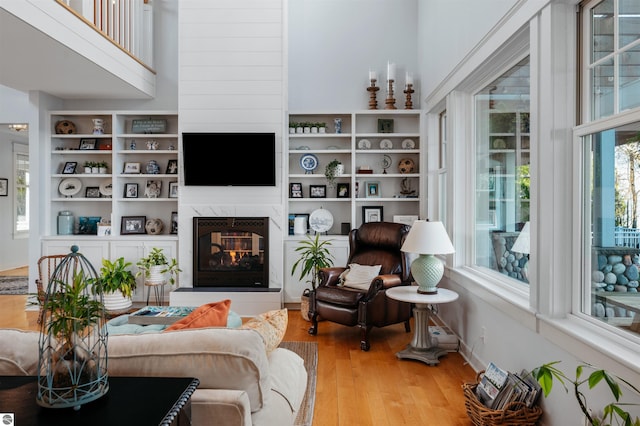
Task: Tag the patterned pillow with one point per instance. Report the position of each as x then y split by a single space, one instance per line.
271 325
210 315
359 276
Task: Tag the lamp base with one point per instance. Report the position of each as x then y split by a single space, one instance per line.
427 271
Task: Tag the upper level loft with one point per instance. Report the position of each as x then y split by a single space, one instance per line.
76 50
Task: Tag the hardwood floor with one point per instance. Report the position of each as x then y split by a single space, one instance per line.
354 387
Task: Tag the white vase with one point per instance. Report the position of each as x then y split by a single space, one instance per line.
156 275
115 301
339 169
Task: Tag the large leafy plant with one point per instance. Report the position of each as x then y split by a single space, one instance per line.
314 255
156 257
116 276
546 373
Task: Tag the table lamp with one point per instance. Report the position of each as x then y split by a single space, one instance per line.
427 239
522 245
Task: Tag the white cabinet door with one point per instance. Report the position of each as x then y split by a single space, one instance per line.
93 250
293 286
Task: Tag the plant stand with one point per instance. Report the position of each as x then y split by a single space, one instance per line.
158 291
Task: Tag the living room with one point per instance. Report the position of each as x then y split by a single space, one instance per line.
474 42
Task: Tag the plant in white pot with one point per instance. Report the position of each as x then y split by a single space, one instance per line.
117 284
314 255
156 266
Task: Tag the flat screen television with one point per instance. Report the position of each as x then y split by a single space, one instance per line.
229 159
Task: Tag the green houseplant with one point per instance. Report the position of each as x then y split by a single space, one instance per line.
156 263
332 170
314 255
547 373
117 283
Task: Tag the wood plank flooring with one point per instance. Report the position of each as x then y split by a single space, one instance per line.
354 387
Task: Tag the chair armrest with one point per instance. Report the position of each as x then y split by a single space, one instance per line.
330 276
383 282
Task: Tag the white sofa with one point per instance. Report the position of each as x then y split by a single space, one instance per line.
240 383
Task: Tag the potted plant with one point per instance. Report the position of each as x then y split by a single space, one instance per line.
333 169
88 166
155 266
314 255
117 283
546 373
102 167
322 127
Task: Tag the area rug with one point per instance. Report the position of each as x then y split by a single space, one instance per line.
13 285
308 351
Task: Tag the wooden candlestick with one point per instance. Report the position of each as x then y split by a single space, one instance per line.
408 91
373 102
390 101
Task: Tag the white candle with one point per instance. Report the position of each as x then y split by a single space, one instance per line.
391 71
409 78
373 75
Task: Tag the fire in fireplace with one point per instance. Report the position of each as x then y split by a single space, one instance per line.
230 252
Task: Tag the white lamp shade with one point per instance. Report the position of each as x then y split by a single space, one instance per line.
523 241
426 237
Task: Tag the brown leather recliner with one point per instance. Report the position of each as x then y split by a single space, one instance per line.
374 243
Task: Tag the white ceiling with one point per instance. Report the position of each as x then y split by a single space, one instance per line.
31 60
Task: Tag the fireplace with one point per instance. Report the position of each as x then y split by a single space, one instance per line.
231 252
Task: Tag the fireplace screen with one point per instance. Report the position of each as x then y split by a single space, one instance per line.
231 251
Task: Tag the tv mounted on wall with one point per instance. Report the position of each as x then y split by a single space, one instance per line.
229 159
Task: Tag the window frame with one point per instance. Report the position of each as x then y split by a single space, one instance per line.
20 150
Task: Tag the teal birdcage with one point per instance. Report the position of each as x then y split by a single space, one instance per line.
72 363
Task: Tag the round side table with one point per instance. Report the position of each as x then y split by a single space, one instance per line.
421 347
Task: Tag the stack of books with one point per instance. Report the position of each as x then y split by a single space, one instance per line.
499 388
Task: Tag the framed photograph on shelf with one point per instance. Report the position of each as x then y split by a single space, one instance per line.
69 167
87 144
92 192
372 214
385 125
130 190
153 189
132 225
174 222
173 189
342 190
318 191
373 189
4 187
295 190
88 225
172 167
131 168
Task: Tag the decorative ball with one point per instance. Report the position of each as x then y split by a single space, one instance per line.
154 226
406 165
65 127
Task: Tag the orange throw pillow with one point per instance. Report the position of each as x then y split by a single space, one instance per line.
210 315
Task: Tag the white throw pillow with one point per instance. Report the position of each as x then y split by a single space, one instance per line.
359 276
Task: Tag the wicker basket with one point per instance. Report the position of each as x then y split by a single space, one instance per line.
516 413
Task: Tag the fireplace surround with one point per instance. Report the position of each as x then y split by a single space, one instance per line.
231 252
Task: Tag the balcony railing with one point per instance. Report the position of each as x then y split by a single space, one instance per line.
627 237
127 23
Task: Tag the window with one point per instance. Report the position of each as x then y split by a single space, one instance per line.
21 190
502 173
611 56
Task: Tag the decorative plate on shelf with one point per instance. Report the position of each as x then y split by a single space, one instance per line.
70 187
408 144
309 162
320 220
364 144
106 188
386 144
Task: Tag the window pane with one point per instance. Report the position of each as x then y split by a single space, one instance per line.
502 172
629 19
613 235
630 78
602 30
602 89
22 193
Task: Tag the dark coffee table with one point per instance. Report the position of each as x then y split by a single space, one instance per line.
129 401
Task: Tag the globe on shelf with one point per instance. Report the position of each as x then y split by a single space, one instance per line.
406 165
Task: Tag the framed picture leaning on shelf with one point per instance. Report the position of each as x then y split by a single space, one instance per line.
153 188
133 225
130 190
87 144
373 189
174 222
172 167
342 190
131 168
372 214
92 192
295 190
173 189
69 167
317 191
